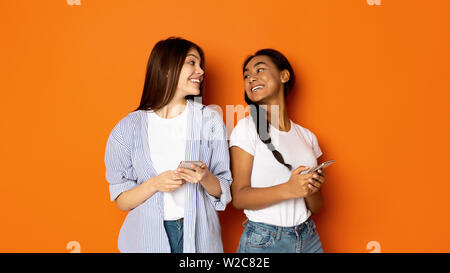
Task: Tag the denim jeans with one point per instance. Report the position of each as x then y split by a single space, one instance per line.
265 238
174 231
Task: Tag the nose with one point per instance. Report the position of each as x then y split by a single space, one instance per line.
252 78
200 71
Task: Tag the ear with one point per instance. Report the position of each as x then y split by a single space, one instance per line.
285 76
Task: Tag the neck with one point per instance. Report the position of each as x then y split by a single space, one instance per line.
175 107
277 114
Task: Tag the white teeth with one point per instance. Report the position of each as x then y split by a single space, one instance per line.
195 80
257 87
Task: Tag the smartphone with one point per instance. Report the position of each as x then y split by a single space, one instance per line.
187 164
321 166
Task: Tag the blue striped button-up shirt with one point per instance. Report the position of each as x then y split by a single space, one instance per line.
128 163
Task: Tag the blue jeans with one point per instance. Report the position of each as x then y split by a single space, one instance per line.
174 230
265 238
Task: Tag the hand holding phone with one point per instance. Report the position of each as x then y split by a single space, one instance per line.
192 174
321 166
187 164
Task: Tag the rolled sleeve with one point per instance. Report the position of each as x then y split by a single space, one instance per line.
119 169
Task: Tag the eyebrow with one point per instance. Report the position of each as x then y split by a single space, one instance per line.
190 54
255 65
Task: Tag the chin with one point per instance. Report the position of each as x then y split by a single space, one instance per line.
256 99
193 93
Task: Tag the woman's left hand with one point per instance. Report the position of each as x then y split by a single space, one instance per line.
196 175
317 180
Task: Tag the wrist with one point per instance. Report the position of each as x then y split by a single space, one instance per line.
151 184
206 178
286 192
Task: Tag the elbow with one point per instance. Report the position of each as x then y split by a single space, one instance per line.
314 212
121 207
120 204
236 203
316 209
239 198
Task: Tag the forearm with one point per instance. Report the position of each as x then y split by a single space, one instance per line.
314 202
132 198
212 185
259 198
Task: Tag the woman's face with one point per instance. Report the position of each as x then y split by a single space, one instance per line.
191 75
262 80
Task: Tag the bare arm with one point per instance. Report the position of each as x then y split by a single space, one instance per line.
315 201
165 182
212 185
130 199
247 197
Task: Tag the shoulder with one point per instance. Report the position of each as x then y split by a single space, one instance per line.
246 127
245 123
130 121
308 134
124 130
210 115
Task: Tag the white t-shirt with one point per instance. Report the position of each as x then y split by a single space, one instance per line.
298 147
167 140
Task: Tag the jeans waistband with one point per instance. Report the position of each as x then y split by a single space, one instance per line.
277 229
174 221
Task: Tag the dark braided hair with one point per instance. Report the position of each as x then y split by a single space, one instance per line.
258 113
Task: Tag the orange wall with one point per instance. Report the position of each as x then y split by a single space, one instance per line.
373 86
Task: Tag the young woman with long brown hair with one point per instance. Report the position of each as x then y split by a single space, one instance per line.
171 209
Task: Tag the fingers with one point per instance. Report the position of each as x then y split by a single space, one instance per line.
198 169
318 178
300 169
171 185
195 175
190 176
321 172
315 184
186 171
312 189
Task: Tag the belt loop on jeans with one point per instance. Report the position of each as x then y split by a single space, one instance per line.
245 222
309 224
279 232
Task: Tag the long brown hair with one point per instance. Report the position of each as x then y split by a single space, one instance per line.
163 72
258 113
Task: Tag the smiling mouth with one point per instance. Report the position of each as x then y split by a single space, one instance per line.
197 81
257 87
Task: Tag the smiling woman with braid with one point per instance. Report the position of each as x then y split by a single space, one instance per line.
270 157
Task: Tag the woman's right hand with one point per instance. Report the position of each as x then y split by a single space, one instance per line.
168 181
302 185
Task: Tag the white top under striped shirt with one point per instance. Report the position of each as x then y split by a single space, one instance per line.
167 139
128 163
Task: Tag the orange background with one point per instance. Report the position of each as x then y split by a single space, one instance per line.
373 86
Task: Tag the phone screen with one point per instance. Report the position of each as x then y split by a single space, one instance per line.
322 166
187 164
